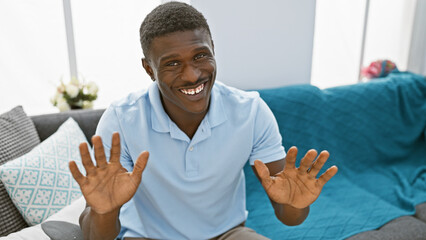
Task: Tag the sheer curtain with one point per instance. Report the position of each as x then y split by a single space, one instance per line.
33 51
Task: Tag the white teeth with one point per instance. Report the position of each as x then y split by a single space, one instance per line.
193 90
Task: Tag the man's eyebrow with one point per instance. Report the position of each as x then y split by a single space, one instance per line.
165 58
203 48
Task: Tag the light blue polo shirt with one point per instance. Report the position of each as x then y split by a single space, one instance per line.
191 188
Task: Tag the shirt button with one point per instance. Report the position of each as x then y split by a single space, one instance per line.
191 148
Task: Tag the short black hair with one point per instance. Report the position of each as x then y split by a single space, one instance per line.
168 18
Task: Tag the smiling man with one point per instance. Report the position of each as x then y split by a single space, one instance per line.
184 64
198 134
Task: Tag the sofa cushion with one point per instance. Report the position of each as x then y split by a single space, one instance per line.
18 137
40 183
421 212
60 230
402 228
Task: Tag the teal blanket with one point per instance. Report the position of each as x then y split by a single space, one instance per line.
375 133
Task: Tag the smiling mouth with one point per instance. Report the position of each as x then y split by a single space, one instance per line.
192 91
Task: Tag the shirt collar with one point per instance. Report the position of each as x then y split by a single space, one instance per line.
161 122
216 114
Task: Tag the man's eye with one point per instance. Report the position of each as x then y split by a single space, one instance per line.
171 64
201 55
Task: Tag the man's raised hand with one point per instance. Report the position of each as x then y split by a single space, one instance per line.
108 185
297 187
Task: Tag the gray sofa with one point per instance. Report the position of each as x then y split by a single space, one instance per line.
406 227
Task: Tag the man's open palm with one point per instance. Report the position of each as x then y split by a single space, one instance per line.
108 185
297 187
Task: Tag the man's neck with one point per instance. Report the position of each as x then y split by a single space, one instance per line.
189 125
186 121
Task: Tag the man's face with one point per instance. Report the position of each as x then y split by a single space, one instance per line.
184 67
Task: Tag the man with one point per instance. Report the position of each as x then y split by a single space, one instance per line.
199 134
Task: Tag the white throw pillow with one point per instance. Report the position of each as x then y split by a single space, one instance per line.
40 183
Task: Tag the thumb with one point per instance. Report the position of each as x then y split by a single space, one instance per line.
263 172
140 165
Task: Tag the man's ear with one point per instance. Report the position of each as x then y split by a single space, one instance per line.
148 69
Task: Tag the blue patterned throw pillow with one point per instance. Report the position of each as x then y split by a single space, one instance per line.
40 183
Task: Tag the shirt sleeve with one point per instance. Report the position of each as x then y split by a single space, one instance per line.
267 145
108 124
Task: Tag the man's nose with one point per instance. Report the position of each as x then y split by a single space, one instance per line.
190 73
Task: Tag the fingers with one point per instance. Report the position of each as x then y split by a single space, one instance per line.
115 148
290 159
99 151
140 165
307 161
85 158
76 174
325 177
318 164
263 172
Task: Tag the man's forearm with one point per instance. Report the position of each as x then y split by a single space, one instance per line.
100 226
289 215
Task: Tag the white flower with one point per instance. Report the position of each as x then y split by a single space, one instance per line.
92 88
59 96
62 105
54 100
87 105
61 88
72 90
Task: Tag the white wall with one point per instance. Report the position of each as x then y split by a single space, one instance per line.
261 44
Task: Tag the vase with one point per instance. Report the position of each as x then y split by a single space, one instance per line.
73 107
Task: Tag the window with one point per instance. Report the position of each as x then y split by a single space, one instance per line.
339 28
